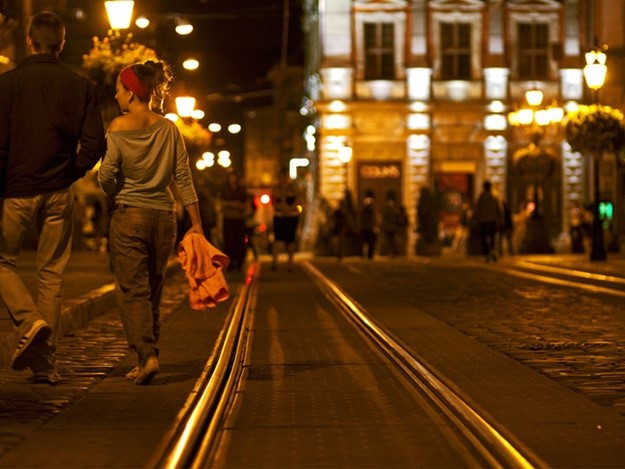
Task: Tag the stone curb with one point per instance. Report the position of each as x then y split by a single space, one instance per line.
76 313
80 311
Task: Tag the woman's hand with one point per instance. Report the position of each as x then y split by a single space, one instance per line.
196 229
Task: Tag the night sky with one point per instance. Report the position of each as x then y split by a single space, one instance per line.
236 41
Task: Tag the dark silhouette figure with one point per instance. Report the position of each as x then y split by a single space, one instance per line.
369 224
340 229
51 134
390 223
251 225
488 216
287 205
506 229
234 206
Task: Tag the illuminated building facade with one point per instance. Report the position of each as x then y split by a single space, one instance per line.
414 93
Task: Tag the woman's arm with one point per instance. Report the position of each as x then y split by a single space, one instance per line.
196 220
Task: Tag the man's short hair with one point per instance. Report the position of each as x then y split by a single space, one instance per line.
47 32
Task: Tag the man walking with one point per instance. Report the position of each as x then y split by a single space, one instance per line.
51 134
369 223
488 216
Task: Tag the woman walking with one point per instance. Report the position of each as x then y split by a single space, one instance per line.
145 155
287 207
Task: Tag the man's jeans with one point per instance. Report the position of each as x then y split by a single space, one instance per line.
51 217
141 241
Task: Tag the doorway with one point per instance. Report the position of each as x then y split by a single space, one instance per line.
455 192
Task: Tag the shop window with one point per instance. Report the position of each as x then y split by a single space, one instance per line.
379 55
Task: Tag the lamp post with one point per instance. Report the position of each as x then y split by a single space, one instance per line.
536 163
595 73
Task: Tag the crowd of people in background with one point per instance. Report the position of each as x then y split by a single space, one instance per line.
367 229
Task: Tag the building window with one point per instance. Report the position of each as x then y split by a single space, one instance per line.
379 51
455 51
533 49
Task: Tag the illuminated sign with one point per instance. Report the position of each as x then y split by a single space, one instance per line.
381 171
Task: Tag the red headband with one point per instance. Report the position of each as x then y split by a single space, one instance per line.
132 82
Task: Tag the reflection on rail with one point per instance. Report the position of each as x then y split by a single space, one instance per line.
189 441
574 278
495 449
192 438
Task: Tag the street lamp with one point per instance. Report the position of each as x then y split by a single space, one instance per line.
119 13
185 105
536 163
595 72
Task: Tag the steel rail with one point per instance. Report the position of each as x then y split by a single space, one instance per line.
568 272
517 272
190 437
490 443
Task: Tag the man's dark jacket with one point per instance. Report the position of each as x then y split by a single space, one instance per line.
51 130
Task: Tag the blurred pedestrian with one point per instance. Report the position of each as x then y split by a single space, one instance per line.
340 229
51 134
390 223
506 229
286 205
145 154
251 225
463 228
576 231
488 216
369 224
234 206
428 222
403 224
586 226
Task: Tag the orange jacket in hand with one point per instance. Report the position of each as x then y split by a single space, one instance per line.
203 264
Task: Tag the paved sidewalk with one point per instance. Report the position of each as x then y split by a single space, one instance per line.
88 293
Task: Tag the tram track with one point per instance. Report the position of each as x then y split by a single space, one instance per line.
482 330
559 276
189 441
193 440
493 447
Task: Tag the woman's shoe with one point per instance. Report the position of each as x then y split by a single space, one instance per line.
148 372
134 373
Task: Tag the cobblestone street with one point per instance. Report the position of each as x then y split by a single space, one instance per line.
571 336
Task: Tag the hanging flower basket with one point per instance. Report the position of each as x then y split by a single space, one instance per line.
534 161
595 129
109 56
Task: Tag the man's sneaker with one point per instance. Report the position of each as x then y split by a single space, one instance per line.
50 377
38 333
149 370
